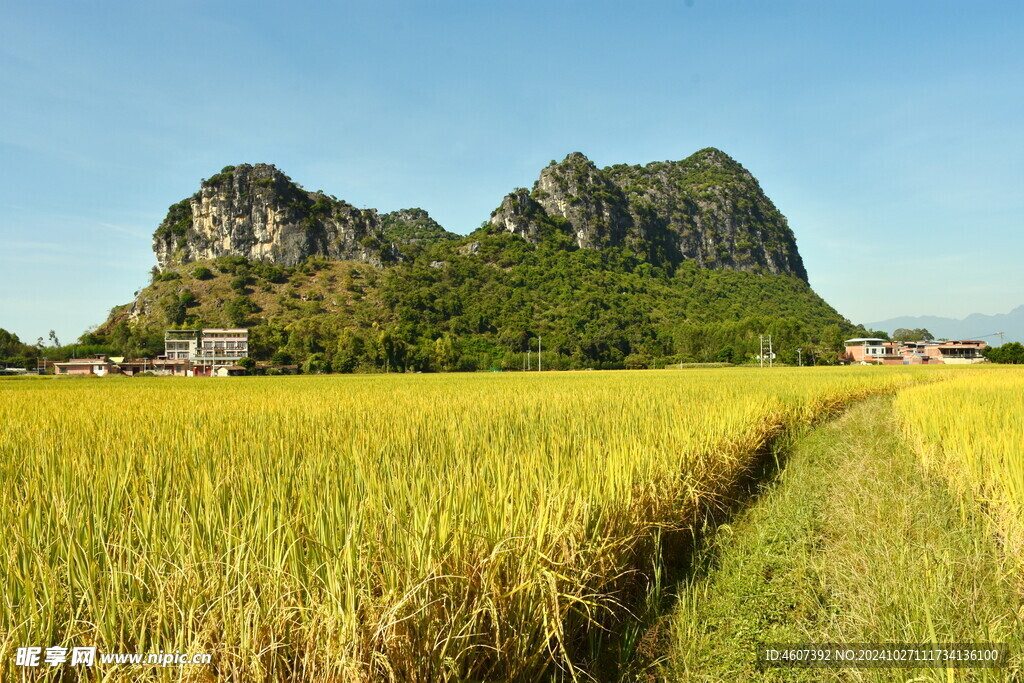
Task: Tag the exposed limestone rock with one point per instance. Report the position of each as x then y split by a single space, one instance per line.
259 213
706 208
595 207
520 215
713 211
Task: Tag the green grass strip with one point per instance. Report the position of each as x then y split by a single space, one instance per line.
853 542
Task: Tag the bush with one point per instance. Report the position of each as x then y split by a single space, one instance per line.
202 273
638 361
234 264
273 274
174 312
316 364
238 310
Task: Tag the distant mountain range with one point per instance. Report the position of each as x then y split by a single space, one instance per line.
974 326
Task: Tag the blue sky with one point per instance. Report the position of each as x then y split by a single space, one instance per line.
890 134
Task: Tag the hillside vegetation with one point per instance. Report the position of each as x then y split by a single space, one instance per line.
452 308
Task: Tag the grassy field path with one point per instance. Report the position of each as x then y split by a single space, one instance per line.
852 542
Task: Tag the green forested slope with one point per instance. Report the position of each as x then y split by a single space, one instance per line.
480 303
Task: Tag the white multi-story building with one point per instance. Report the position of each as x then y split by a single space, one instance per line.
181 344
203 352
223 346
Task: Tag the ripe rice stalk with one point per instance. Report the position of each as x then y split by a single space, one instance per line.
405 528
970 430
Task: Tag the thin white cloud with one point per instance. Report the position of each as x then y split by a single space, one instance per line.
125 230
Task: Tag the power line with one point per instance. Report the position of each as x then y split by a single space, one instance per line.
994 334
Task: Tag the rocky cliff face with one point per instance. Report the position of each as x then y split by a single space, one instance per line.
520 214
259 213
594 206
706 208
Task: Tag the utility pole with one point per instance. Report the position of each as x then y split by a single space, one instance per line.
538 353
799 358
529 363
766 350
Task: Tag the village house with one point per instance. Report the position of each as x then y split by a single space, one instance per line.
100 365
873 351
103 365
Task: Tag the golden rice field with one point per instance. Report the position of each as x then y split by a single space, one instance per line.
350 528
971 430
